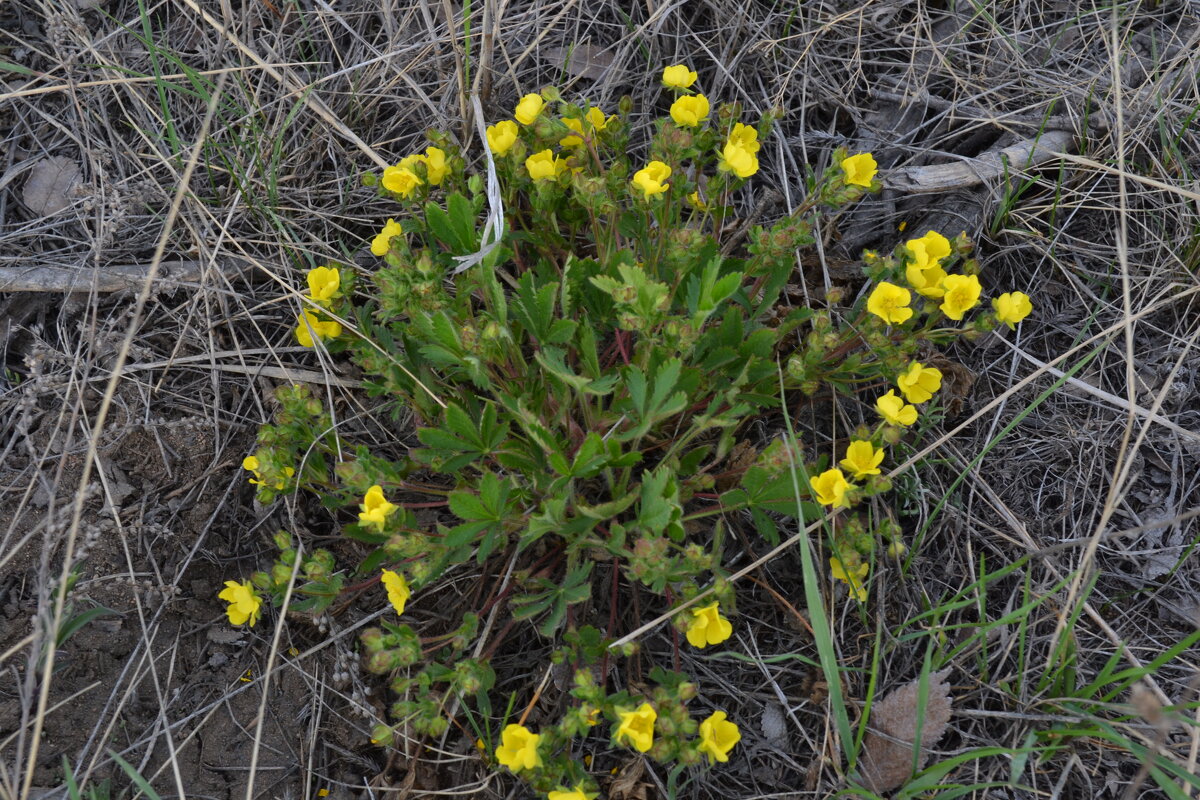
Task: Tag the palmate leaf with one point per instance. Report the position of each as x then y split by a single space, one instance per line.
462 440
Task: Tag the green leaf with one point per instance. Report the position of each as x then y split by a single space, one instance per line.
9 66
72 625
469 507
533 307
464 534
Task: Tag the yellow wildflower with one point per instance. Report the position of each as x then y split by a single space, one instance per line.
918 383
545 165
637 727
678 77
695 202
890 302
708 626
436 168
244 603
651 179
397 589
518 748
854 578
894 411
323 283
737 159
862 459
859 170
401 179
383 241
528 109
923 271
251 464
375 508
690 110
746 136
962 294
596 121
309 324
502 136
717 737
1012 307
578 793
830 488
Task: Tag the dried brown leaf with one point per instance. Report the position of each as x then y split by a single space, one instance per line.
51 185
582 60
887 758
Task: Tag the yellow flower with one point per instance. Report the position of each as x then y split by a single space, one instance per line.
746 136
690 110
862 459
830 488
309 324
596 121
383 241
893 410
918 383
651 179
695 202
737 159
244 603
717 737
323 283
859 170
578 793
638 727
502 136
401 179
397 589
678 77
518 748
854 578
545 165
250 463
375 508
924 272
528 109
1012 307
962 294
708 626
435 165
890 302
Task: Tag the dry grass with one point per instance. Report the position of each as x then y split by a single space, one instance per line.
123 422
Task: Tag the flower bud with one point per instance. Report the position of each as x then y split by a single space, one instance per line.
372 640
897 550
379 663
281 574
381 735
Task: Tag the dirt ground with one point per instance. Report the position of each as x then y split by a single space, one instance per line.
136 487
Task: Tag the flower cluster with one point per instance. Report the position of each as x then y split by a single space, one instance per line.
522 750
416 170
324 285
953 295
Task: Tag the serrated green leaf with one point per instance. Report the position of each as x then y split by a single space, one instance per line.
469 507
465 534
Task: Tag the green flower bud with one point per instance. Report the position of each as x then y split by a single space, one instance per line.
381 735
372 640
379 663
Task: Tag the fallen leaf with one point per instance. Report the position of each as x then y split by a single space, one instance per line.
887 758
582 60
51 185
